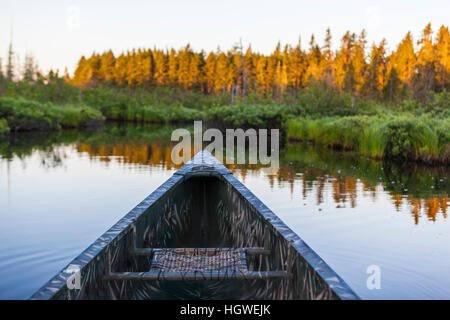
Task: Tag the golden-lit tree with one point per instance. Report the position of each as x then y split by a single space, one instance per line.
443 58
425 75
342 65
365 72
376 71
404 60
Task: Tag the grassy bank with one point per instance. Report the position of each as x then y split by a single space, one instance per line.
25 115
402 136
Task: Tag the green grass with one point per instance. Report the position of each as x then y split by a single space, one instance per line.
395 136
372 141
249 115
159 114
25 115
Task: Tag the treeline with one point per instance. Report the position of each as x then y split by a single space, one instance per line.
362 70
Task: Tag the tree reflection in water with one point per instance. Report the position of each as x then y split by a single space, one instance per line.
423 189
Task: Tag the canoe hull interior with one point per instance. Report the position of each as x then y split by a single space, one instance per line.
201 210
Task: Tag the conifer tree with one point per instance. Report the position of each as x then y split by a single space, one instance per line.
172 68
160 68
315 64
221 72
343 59
106 70
443 58
404 60
327 75
426 64
10 63
358 63
375 80
29 68
210 72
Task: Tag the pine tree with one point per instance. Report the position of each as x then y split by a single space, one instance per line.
172 68
358 63
315 64
10 63
249 69
404 60
106 70
196 61
376 71
29 68
260 75
132 72
392 86
120 70
184 60
343 59
443 58
210 72
297 66
81 73
327 76
160 70
271 71
426 64
221 72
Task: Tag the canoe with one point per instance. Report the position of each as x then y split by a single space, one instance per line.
201 235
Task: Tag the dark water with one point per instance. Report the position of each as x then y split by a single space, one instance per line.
60 191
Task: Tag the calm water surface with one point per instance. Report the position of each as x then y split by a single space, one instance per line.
59 192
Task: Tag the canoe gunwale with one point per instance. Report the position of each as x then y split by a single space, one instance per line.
211 168
319 266
120 229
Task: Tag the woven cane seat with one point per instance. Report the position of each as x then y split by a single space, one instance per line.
202 260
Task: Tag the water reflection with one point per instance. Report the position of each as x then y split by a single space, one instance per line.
60 191
423 190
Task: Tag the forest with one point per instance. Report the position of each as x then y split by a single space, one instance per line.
355 68
383 103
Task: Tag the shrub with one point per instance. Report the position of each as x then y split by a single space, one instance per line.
325 100
72 117
22 114
249 115
410 138
4 129
158 114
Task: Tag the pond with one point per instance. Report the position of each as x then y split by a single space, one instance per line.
60 191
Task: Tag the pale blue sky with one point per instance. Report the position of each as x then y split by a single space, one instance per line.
58 32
